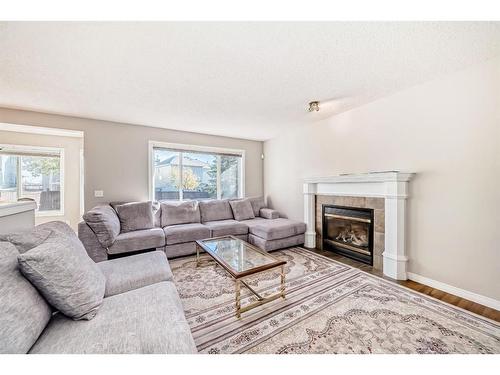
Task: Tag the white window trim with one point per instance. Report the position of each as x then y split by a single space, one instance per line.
195 148
60 151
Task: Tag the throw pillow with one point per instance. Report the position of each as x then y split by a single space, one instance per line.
64 274
257 203
242 209
179 213
135 216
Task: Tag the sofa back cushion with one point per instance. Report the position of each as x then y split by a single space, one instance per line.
156 211
23 311
214 210
135 216
173 213
257 203
242 209
64 274
104 223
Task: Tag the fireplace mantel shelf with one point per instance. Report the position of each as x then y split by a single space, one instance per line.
362 177
393 186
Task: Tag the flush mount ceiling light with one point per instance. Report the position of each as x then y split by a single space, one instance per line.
313 106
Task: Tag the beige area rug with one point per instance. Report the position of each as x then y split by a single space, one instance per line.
330 308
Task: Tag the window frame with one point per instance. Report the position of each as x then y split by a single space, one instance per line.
194 148
26 149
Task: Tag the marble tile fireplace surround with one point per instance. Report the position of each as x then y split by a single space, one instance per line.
385 193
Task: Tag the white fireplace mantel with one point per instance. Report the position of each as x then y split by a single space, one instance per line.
393 186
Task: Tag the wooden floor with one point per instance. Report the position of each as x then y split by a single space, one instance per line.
421 288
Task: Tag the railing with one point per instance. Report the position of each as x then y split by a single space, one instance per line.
8 195
166 195
47 200
50 200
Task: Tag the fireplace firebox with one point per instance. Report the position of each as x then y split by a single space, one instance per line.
348 231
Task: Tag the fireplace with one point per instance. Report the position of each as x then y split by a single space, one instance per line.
348 231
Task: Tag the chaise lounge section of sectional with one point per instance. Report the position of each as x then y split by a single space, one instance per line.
174 227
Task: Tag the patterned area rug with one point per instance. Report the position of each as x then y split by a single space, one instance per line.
329 308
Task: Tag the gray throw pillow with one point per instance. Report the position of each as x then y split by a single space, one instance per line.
135 216
257 203
156 211
215 209
26 239
64 274
242 209
179 213
104 223
23 311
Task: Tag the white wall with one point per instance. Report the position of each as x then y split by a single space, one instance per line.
448 132
116 155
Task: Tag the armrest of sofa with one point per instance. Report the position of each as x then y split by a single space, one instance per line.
95 250
268 213
134 272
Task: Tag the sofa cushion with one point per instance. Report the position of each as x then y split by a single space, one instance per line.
136 271
104 222
268 213
138 240
145 320
185 233
252 222
26 239
180 249
173 213
226 227
257 203
280 243
213 210
277 228
135 216
23 311
242 209
156 210
65 275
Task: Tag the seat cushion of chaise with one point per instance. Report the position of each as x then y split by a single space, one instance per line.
273 229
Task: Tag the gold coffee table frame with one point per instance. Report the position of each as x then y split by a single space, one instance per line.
238 276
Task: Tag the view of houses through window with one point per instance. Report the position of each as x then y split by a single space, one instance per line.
31 175
204 175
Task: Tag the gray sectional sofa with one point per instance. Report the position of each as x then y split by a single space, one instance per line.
62 295
55 299
173 227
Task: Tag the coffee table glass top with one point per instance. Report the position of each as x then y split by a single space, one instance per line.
237 256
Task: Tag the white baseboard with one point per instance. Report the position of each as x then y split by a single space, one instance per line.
474 297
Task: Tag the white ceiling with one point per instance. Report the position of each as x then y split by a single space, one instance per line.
246 80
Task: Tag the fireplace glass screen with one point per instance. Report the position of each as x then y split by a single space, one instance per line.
349 232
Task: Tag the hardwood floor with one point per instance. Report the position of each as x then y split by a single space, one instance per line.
421 288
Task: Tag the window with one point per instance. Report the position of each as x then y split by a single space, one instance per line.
182 172
32 172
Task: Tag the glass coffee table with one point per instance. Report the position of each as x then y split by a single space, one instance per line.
241 259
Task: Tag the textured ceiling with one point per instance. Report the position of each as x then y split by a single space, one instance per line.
247 80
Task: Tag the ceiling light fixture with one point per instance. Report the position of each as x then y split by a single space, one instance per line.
314 106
